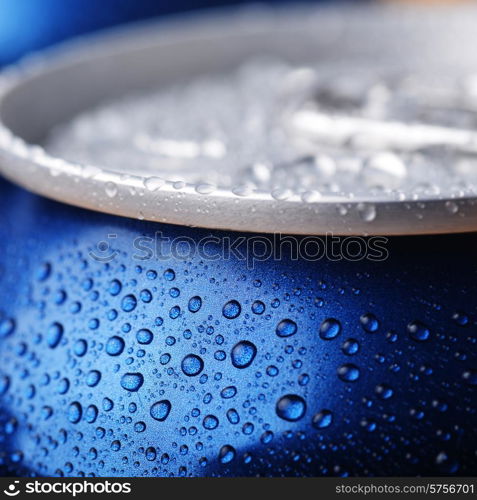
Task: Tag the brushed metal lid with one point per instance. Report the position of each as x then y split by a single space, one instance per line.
321 120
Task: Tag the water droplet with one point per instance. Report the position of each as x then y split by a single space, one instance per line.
369 322
46 412
169 275
418 331
286 328
229 392
111 189
348 372
384 391
108 404
232 416
460 318
128 303
91 414
63 386
115 287
54 335
160 410
4 384
151 454
226 454
330 329
452 207
132 381
43 272
322 419
115 346
153 183
210 422
367 211
195 303
144 336
146 296
231 309
272 371
75 412
243 354
93 378
205 188
258 307
350 347
470 376
291 407
266 437
7 327
192 365
139 426
80 347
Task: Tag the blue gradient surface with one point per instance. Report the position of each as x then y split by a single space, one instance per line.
208 368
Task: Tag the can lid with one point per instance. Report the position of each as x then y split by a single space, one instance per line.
303 121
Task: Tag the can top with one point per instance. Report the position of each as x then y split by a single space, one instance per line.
299 120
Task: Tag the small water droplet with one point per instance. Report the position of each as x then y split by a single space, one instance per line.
111 189
418 331
322 419
348 372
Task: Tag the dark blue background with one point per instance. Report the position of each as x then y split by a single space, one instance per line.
32 24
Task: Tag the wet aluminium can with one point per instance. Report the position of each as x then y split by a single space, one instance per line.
254 256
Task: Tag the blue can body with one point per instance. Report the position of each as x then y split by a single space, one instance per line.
121 356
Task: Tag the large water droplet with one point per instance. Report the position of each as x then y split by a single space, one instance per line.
291 407
243 354
115 346
115 287
192 365
210 422
330 329
144 336
195 303
231 309
132 381
286 328
129 303
229 392
226 454
160 410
